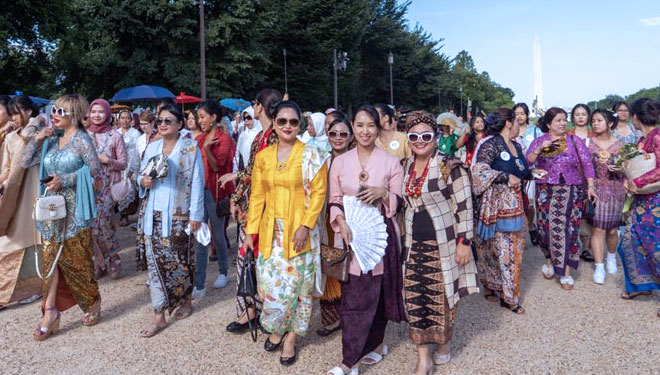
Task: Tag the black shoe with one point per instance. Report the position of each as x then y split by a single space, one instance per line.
236 327
323 332
269 346
534 237
587 256
289 361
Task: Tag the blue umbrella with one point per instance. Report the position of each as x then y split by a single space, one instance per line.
37 101
235 104
143 92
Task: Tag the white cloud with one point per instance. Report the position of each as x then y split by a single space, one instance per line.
653 21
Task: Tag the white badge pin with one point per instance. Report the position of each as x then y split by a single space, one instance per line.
394 145
505 156
529 137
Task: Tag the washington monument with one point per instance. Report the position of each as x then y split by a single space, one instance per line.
538 77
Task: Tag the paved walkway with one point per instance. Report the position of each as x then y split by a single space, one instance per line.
589 330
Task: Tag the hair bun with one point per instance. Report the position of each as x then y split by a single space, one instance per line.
492 119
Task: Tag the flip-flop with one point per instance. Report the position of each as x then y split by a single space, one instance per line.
180 315
491 297
374 357
633 295
153 330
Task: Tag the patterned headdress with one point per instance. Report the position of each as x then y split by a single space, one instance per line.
420 117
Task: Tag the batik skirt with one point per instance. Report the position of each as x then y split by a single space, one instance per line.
430 318
285 287
560 209
76 283
498 262
639 247
169 264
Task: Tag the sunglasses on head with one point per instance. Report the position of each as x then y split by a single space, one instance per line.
59 111
336 134
167 121
294 122
425 137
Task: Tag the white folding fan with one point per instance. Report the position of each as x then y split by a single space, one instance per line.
368 231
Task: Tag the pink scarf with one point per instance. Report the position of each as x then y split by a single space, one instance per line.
105 126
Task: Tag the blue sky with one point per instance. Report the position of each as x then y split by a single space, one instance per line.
588 48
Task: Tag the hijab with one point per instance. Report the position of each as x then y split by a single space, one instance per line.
105 126
247 135
320 138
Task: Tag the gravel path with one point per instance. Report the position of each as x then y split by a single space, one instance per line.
587 330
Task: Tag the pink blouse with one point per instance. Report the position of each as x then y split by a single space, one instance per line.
651 145
384 171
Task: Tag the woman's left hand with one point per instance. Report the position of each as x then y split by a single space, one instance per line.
632 188
55 184
104 159
194 226
591 193
463 254
300 238
371 194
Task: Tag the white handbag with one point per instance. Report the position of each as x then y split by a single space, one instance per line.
50 208
121 189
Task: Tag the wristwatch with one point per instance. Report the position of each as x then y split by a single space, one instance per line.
464 241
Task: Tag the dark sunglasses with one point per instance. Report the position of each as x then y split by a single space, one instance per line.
425 137
294 122
168 121
335 134
247 118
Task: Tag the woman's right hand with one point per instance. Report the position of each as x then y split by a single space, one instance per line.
345 232
248 244
43 134
147 182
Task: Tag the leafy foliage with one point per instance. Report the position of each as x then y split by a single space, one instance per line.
97 47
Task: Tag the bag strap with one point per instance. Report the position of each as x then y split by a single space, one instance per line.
36 251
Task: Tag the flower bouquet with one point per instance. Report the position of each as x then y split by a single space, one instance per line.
636 163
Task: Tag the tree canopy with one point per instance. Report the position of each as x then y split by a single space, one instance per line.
97 47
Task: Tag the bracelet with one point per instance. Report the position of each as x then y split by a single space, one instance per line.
464 241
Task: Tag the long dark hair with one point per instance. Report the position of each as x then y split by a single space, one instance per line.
647 111
525 109
472 136
268 98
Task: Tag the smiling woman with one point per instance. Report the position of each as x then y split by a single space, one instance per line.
111 152
288 194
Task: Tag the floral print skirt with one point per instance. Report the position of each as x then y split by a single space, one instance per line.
285 287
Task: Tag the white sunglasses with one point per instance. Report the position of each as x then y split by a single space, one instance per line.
59 111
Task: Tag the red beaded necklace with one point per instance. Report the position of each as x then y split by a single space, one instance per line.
414 185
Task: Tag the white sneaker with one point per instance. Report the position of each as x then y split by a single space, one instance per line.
611 265
220 282
599 274
198 293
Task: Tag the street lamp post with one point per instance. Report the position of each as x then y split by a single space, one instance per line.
461 90
339 63
390 61
202 50
286 83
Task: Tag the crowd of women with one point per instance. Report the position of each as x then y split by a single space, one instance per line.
294 181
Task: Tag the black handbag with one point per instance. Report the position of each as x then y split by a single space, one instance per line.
590 210
247 286
222 206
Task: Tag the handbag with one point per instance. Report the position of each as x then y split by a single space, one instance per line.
247 286
121 189
222 206
336 262
50 208
590 210
638 166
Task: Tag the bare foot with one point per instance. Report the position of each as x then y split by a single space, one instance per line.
152 329
183 312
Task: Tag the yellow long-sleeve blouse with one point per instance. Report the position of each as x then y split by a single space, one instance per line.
279 194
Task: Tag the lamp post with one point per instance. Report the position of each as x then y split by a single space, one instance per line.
461 90
286 83
202 50
339 63
390 61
